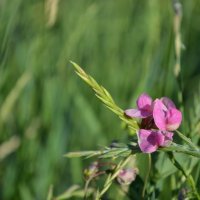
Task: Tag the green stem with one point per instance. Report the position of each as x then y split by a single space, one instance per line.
178 45
187 140
181 149
106 98
86 188
189 178
147 175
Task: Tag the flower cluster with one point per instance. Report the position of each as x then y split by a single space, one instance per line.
159 118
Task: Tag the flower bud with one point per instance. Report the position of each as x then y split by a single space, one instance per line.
127 176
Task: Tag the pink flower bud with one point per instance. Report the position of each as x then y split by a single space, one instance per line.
127 176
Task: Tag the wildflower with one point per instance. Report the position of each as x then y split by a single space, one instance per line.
127 176
165 114
159 114
150 140
144 107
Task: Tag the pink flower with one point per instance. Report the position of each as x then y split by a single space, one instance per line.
149 141
144 107
165 114
161 114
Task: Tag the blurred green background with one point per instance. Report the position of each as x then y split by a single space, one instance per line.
46 110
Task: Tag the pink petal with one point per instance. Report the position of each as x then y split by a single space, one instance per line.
168 137
159 114
144 102
164 118
137 113
174 118
126 176
149 140
168 102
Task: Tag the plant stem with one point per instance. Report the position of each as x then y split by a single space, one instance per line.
86 188
178 45
181 149
189 178
110 178
106 98
147 175
187 140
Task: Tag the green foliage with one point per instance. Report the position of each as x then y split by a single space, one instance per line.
106 98
128 46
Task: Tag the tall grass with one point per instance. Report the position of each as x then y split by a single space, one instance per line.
127 45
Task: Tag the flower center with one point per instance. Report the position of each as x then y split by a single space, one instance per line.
148 123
